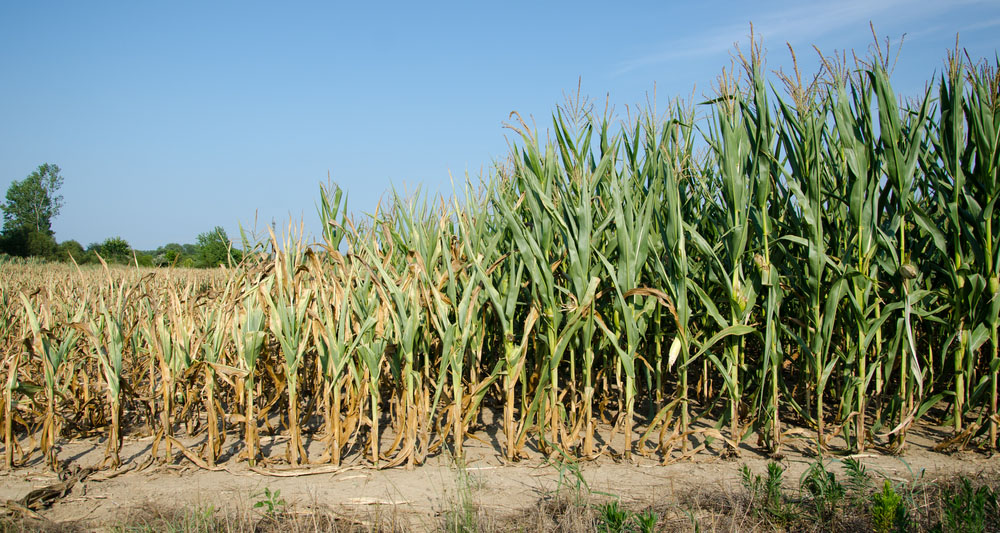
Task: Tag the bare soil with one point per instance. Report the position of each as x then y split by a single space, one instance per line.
418 499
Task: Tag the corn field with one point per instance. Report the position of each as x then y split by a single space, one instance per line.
788 260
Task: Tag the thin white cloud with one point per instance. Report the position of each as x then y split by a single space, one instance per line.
792 24
982 25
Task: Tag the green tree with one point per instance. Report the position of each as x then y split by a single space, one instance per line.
114 250
33 202
69 248
24 242
215 248
30 206
170 255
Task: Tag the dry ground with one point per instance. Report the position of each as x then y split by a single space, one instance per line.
419 499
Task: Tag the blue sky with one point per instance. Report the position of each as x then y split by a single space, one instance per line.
171 118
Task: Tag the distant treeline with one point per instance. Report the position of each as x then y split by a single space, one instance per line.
211 249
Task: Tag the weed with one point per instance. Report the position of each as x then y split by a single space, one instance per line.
823 487
966 510
271 500
463 517
613 518
646 521
889 513
695 524
765 493
570 476
858 483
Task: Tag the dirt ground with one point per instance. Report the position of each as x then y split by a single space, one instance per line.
417 498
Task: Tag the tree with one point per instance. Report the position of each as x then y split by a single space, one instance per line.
169 255
114 250
25 242
33 202
214 249
70 248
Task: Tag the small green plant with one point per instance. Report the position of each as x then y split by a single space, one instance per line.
858 483
765 493
823 487
613 518
646 521
889 513
570 477
271 500
695 524
966 510
462 517
207 514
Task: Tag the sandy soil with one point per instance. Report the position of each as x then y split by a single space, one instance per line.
417 497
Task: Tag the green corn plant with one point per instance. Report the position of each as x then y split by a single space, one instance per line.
730 148
669 152
582 223
982 110
856 149
946 165
802 133
633 208
768 204
901 144
501 281
554 228
530 221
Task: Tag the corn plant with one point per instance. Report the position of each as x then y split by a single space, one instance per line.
337 342
109 335
53 349
769 207
289 306
501 281
731 149
633 214
802 137
901 148
530 221
215 323
982 110
249 333
669 152
858 154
